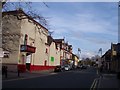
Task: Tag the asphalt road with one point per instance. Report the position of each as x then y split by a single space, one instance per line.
68 79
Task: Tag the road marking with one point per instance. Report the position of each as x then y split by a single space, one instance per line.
94 84
29 77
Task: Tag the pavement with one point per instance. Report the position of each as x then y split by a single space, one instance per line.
108 80
26 75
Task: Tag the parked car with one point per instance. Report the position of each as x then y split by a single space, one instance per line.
67 67
78 66
83 67
57 69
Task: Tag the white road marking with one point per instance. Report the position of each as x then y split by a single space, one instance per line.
94 84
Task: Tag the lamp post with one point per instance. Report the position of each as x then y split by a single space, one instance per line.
79 51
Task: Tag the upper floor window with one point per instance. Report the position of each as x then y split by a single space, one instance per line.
46 51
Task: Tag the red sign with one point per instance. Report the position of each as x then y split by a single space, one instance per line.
27 48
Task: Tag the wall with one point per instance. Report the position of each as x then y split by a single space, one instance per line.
39 36
10 40
54 53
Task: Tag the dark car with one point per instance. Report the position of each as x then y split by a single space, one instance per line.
83 67
57 69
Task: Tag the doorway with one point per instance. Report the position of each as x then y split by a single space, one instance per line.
28 60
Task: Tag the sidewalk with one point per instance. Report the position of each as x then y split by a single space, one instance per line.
109 81
27 74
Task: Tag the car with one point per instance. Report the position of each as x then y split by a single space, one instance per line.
78 66
57 69
67 67
83 67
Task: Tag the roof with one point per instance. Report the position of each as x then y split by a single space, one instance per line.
19 12
58 40
70 46
118 47
49 40
114 47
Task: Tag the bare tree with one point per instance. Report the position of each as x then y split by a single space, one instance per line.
27 8
50 32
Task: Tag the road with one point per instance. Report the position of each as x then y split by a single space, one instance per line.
68 79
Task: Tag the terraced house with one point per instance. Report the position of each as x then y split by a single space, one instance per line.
65 51
28 46
26 41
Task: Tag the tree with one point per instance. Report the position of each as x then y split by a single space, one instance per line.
27 8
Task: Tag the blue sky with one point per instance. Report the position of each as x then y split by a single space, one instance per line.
86 25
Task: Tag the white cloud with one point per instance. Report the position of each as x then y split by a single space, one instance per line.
80 27
87 54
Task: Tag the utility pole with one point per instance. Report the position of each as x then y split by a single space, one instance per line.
79 51
100 51
119 22
118 62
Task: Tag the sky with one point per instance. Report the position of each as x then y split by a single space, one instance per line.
85 25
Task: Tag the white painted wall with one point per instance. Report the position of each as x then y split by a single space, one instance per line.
39 36
54 53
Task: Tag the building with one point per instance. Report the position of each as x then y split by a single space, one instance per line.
115 56
65 51
26 41
75 60
106 60
61 42
112 58
54 52
27 45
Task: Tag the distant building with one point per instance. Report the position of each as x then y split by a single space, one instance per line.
115 56
112 58
65 51
106 59
76 60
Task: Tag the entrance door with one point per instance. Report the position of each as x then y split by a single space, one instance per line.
28 61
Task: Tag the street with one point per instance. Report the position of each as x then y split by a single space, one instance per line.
68 79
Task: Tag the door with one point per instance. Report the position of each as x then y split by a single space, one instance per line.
28 61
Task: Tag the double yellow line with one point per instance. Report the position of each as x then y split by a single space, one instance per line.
94 84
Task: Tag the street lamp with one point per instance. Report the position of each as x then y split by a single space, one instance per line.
100 51
79 51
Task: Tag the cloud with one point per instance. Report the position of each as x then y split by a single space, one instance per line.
90 27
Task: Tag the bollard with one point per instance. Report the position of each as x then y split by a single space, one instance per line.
118 75
6 71
18 73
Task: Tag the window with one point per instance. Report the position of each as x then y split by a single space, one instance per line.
46 51
6 54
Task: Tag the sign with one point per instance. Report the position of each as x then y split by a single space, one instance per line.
27 48
52 59
114 53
